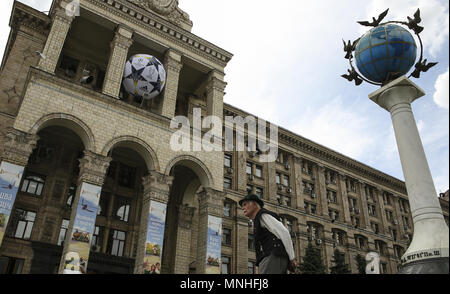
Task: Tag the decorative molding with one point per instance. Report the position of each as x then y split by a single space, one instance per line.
157 187
93 168
165 29
18 146
211 202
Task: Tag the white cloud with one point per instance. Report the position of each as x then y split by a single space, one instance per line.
441 96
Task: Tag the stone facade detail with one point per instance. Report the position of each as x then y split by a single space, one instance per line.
173 65
18 146
56 38
93 168
119 50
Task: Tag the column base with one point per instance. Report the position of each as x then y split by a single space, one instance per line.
428 266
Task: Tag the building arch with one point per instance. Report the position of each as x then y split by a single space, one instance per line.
196 165
136 144
68 121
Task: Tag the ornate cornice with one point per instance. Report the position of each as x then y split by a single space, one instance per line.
165 29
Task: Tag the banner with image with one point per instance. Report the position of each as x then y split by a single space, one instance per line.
76 259
155 238
10 176
214 245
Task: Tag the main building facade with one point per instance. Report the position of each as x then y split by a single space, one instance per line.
65 133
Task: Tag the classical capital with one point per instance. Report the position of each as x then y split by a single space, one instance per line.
123 38
215 82
211 202
157 186
172 61
18 146
93 168
59 14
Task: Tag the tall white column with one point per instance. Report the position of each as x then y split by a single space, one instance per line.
431 238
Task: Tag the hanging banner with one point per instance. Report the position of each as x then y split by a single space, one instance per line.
10 176
155 238
76 259
214 245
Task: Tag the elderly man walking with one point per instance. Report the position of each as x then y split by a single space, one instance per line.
274 250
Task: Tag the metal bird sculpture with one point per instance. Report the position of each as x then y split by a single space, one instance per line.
413 22
422 67
349 48
352 76
375 22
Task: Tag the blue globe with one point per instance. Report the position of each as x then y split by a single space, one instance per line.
385 49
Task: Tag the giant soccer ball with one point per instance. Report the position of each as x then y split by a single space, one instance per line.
144 76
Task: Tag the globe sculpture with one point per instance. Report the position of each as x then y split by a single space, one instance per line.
385 51
144 76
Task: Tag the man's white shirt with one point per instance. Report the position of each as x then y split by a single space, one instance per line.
279 230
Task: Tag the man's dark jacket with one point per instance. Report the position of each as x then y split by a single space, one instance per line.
266 243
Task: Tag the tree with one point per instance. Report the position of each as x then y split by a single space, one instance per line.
312 261
361 263
340 266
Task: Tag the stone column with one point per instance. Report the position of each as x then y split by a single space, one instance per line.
364 208
345 205
210 204
322 190
183 247
156 188
173 65
55 40
92 171
117 59
17 148
429 249
215 91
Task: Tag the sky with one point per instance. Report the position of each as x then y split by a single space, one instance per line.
287 66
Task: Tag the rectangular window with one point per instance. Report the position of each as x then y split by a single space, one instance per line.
63 232
226 236
121 208
227 183
251 267
248 168
278 178
97 239
117 242
11 265
287 201
227 160
258 171
21 224
251 241
126 176
313 209
71 195
33 184
225 265
259 192
286 180
227 209
249 189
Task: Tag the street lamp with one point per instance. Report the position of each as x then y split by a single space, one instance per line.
384 55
